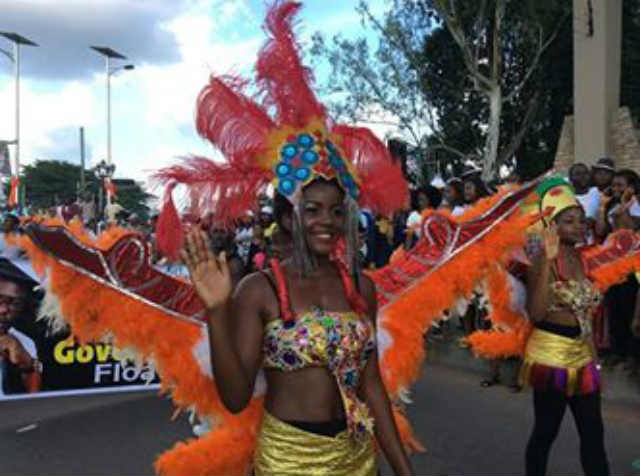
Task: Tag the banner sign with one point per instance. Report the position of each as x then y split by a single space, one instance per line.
68 366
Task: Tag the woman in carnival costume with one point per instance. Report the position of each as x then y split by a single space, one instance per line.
548 322
314 335
559 359
309 321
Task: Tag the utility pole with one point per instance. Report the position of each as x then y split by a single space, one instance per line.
82 183
109 54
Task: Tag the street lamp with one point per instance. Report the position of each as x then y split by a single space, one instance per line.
15 57
109 53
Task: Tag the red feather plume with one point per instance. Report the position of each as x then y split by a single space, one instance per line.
383 186
234 123
222 189
239 128
281 74
169 231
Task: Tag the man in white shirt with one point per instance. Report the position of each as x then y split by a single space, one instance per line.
589 197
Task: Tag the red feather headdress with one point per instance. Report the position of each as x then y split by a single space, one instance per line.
296 145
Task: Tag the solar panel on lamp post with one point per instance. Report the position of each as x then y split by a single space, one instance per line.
108 54
17 41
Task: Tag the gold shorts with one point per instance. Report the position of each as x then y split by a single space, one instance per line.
283 449
563 364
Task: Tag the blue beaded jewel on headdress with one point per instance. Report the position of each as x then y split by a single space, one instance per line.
303 153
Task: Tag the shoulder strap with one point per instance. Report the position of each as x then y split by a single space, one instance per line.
281 290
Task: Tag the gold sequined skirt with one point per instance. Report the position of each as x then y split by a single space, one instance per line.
283 449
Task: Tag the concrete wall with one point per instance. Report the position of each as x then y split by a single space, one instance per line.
626 141
565 155
599 126
596 75
623 137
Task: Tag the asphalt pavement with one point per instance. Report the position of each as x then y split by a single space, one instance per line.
467 429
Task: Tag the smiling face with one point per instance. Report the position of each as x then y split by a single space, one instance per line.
323 216
572 225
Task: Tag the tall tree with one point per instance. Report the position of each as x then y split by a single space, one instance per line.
460 77
133 197
52 182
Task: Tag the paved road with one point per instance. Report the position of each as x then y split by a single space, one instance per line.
468 431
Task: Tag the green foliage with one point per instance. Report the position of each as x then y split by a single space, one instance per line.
50 183
53 182
419 76
132 197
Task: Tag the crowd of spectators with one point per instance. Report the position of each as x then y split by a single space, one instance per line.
609 197
610 200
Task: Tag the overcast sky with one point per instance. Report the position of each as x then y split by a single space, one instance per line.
174 44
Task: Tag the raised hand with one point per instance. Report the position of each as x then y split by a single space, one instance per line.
551 241
13 351
210 274
604 200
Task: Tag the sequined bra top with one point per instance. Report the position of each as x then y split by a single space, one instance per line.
580 297
339 341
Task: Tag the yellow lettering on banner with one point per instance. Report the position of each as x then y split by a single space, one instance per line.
102 352
85 354
63 351
68 352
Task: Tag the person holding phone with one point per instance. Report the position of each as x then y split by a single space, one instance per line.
620 209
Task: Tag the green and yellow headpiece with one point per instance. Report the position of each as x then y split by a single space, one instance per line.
555 195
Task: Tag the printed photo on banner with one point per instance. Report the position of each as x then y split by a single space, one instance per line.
33 359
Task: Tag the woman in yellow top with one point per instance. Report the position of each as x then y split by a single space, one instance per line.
559 359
